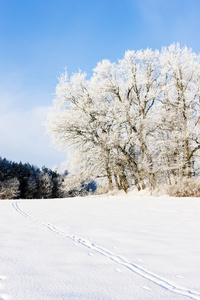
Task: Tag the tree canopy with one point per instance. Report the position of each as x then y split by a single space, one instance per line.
134 122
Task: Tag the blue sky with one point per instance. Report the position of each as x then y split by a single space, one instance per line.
39 38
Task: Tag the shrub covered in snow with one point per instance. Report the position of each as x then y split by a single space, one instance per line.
185 188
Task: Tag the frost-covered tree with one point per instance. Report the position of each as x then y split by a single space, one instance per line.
180 126
31 191
132 122
9 189
45 186
104 121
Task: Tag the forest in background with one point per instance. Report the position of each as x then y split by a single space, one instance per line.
25 181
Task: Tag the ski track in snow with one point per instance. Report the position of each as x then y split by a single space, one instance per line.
161 282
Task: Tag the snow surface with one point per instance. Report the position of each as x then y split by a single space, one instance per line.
103 247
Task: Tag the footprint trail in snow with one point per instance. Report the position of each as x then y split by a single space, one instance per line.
2 295
161 282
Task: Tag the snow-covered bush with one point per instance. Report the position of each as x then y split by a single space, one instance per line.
73 186
185 188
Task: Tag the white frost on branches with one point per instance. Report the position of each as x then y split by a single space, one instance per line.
133 122
9 189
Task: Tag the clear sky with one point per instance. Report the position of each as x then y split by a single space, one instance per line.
39 38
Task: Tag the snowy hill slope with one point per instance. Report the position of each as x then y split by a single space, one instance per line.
106 247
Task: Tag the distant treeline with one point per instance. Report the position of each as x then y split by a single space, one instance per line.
25 181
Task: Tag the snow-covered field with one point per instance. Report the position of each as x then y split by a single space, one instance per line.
106 247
